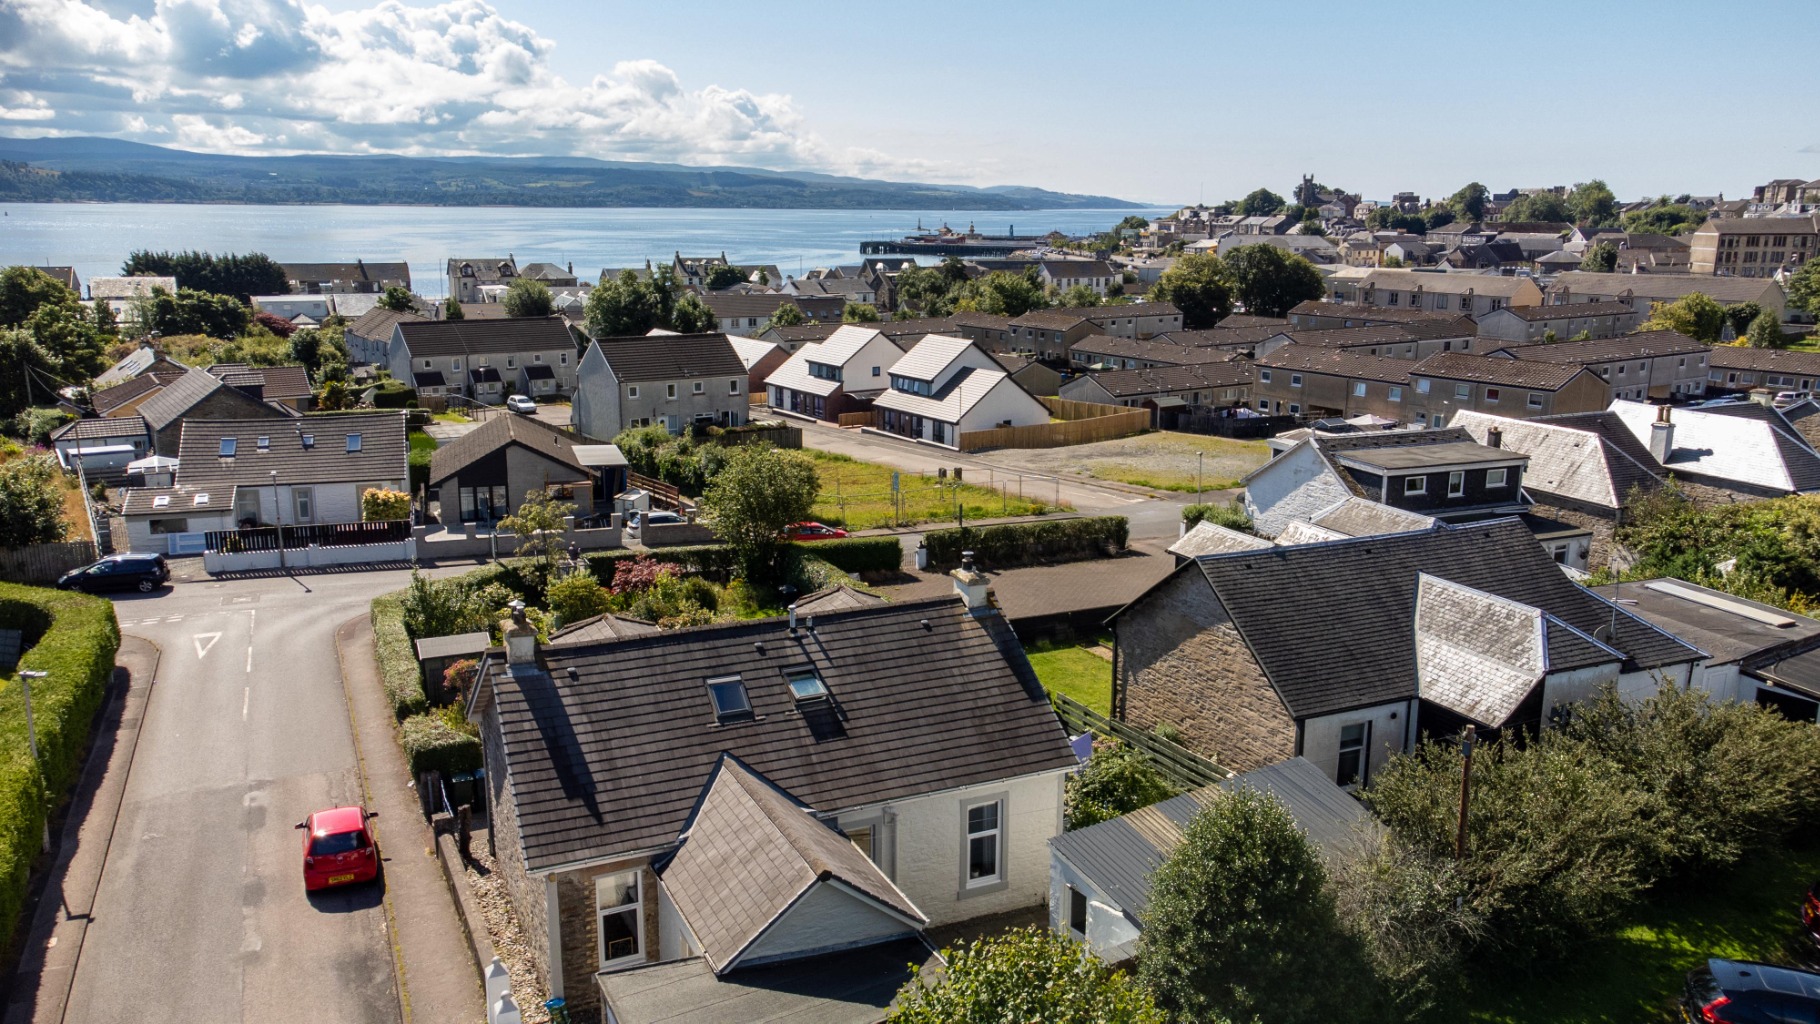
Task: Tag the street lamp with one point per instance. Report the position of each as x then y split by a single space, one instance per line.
278 518
31 734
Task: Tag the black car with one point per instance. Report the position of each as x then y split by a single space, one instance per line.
144 573
1743 992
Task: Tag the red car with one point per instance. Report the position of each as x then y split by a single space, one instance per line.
339 848
812 531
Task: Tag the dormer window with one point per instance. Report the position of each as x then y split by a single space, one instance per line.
728 694
228 444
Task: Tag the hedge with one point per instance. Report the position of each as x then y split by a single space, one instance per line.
715 560
74 638
430 744
859 554
1014 544
399 671
394 397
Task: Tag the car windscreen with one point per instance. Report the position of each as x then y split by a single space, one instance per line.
337 842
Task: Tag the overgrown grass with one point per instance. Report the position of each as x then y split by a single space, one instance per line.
1074 672
1636 974
421 442
857 496
1158 480
450 417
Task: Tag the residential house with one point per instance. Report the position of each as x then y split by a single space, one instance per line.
485 474
199 395
1167 391
1470 294
745 314
1107 352
296 471
485 360
846 289
1644 290
1754 246
1208 538
1738 369
1048 334
123 399
1395 341
1062 275
1445 383
990 329
1099 876
634 783
1653 364
1430 631
760 357
842 374
482 280
137 363
1317 382
120 292
358 277
553 275
287 386
1130 319
792 338
300 310
1316 249
1318 315
945 387
65 276
693 271
369 336
1747 448
675 380
1032 376
1533 325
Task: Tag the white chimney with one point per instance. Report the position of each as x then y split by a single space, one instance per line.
1661 436
973 586
520 637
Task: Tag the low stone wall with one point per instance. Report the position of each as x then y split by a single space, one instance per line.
464 540
214 562
669 535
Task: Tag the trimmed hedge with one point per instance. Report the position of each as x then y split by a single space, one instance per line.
1014 544
714 560
395 397
859 554
431 744
399 671
74 637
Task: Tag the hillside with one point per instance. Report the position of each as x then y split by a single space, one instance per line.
110 170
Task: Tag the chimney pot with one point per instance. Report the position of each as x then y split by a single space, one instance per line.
520 638
1494 438
1662 437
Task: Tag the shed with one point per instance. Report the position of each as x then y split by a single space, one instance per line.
436 653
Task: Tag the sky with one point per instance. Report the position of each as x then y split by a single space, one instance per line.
1155 102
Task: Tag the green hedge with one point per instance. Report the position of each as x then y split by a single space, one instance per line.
73 637
394 397
714 560
399 671
859 554
431 744
1014 544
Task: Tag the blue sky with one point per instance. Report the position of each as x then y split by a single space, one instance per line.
1155 102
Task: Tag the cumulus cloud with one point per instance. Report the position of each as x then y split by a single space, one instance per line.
457 77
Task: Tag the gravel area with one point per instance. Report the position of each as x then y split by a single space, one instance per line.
1163 459
508 941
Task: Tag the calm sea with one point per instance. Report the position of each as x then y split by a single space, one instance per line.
96 238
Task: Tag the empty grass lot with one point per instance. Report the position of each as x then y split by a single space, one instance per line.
1635 975
1075 673
1161 460
857 495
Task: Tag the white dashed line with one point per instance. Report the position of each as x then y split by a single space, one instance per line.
246 698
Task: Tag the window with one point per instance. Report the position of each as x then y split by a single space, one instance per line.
806 685
353 442
536 357
698 388
729 696
669 391
264 444
1456 484
1295 408
1396 394
1620 369
631 391
1263 405
1462 392
511 362
985 842
1295 380
1263 376
1393 298
1422 386
303 500
1496 477
733 387
1415 485
562 358
169 525
454 364
1358 389
618 901
1352 767
228 444
426 364
1077 911
1491 394
875 370
1535 400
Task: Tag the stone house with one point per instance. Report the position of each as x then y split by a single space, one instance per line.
639 787
1653 364
672 380
1754 246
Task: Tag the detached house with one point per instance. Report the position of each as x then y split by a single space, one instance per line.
842 373
672 380
358 277
484 360
483 279
483 475
1062 275
762 816
199 395
945 387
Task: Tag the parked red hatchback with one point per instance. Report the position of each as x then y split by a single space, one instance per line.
338 848
812 531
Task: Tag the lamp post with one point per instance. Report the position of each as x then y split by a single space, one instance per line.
278 518
31 734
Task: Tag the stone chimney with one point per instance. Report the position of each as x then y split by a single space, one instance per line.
1494 437
973 586
521 639
1661 436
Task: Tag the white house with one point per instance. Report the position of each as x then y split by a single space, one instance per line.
842 373
944 387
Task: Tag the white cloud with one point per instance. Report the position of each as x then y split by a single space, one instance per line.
19 105
456 77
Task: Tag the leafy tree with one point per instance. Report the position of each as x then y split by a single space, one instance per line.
1029 974
1406 909
1200 287
105 321
724 276
1695 314
1269 282
528 298
65 330
692 315
620 307
577 596
1542 206
334 395
1804 288
444 607
397 299
1665 217
306 348
859 313
1740 315
1238 914
274 323
788 315
1592 203
451 310
1439 215
538 524
1389 218
378 504
193 312
24 370
1600 259
1469 202
1117 779
1003 293
1078 297
24 289
239 276
1260 203
31 502
759 491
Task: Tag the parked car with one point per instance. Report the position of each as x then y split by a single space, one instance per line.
1784 399
656 517
812 531
142 572
521 403
1745 992
339 848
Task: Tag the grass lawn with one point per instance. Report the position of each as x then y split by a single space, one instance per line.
857 495
421 442
1636 974
1079 674
1170 460
450 417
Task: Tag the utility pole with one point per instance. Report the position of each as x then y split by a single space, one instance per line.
1200 463
278 519
1466 741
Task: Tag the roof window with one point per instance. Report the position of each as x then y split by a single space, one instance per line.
309 441
806 685
201 499
265 444
161 501
353 442
729 696
228 444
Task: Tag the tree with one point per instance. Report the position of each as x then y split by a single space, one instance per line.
692 315
528 298
24 289
1739 316
759 491
1804 288
1200 287
105 321
239 276
1765 332
1029 974
274 324
1078 296
859 313
26 370
1003 293
1542 206
193 312
31 502
1600 259
451 310
1592 203
788 315
1268 281
334 396
723 276
1469 202
1260 203
577 596
1238 914
65 331
306 348
1695 314
397 299
538 524
1117 779
1664 217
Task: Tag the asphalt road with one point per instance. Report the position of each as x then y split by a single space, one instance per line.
201 914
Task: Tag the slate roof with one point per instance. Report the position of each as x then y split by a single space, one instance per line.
611 759
377 323
1766 360
132 365
1361 517
275 382
672 357
1049 320
1567 311
1647 345
1300 531
129 287
1745 443
1159 379
1496 370
1339 362
1238 320
1588 457
1724 290
555 444
503 336
1360 651
381 456
91 429
140 501
360 270
854 986
1207 538
1119 856
108 399
1149 349
602 629
1366 315
178 397
839 597
1222 337
1383 334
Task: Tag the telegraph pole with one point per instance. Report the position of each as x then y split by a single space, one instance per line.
1466 741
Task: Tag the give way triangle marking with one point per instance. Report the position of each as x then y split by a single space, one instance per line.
204 641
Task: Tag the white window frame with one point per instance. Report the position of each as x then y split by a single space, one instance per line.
303 505
1456 484
1295 380
1415 485
669 391
1263 376
1496 478
1462 392
631 391
1396 393
1422 386
733 387
636 908
1358 389
1535 400
969 885
1362 748
699 388
1076 896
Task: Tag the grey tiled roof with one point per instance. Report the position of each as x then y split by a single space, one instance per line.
178 397
1149 349
1362 517
555 444
1159 379
855 986
107 400
503 336
1647 345
381 457
1568 311
672 357
1339 362
90 429
1510 373
1768 360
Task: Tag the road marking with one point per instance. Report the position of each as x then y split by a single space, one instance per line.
249 658
246 697
202 649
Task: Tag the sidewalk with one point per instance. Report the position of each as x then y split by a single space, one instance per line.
52 942
438 981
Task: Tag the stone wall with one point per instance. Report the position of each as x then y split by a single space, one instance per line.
527 894
580 932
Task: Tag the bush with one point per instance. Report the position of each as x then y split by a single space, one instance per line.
712 560
377 504
432 742
859 554
417 465
1231 516
31 502
576 597
459 678
392 395
1030 974
74 638
35 425
1002 547
399 672
1117 779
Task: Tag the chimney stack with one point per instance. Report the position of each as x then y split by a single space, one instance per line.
1494 437
1661 436
520 638
973 586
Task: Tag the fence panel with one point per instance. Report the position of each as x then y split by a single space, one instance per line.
778 435
322 535
1182 766
1082 423
868 418
43 563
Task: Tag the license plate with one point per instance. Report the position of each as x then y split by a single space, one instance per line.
338 879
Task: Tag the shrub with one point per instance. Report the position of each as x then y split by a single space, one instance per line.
1030 974
577 596
1231 516
1117 779
1407 911
417 465
393 395
641 574
459 677
399 672
378 504
712 560
859 554
31 502
1001 547
432 742
36 425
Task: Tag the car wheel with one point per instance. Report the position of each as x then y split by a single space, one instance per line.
147 586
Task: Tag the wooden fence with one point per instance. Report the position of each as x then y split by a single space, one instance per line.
1180 765
868 418
43 563
662 494
1081 423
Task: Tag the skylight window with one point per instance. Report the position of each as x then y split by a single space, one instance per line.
265 444
228 444
729 696
353 442
201 499
805 685
161 501
309 441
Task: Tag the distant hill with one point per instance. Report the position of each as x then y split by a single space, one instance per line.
114 171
